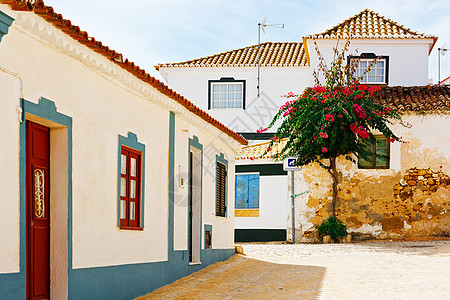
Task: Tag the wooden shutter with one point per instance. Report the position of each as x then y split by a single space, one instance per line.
221 184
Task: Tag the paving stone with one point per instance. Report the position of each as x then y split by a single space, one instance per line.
368 270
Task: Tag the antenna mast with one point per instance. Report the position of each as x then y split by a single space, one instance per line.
261 27
439 61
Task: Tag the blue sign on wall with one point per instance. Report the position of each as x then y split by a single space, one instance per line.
289 164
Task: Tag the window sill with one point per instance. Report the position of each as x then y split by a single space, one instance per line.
380 84
246 212
131 228
226 108
195 263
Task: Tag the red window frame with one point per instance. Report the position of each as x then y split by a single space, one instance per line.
126 221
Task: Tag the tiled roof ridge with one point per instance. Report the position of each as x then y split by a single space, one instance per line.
233 52
367 10
48 14
392 30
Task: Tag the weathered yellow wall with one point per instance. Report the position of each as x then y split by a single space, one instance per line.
410 199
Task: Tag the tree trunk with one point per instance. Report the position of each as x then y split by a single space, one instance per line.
334 175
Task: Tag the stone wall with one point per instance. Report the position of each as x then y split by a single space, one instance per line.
416 204
412 198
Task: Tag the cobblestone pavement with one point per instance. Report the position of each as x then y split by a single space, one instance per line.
378 270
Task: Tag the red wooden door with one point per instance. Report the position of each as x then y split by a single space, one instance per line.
38 211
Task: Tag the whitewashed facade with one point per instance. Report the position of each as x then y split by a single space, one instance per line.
93 108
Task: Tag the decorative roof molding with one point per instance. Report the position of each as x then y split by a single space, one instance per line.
278 54
131 76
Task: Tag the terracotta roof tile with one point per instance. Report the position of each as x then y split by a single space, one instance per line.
256 151
369 24
280 54
420 99
47 13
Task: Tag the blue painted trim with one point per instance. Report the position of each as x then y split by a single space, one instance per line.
171 184
5 23
132 281
221 158
131 141
194 142
13 286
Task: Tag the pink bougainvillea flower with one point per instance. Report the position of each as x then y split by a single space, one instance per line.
327 108
363 133
360 112
261 130
290 95
329 117
324 149
323 135
391 140
319 89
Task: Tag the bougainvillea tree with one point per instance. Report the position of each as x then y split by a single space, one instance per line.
334 118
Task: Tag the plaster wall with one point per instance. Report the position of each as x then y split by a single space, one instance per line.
9 177
102 108
222 227
273 205
408 58
410 199
274 83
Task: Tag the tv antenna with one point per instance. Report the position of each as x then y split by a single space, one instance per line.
441 51
261 26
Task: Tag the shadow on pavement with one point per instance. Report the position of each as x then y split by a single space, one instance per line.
241 277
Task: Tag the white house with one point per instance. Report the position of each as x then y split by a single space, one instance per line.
288 67
113 184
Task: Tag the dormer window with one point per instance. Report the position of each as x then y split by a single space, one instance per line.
378 73
226 93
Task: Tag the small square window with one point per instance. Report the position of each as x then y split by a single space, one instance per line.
226 93
378 73
208 239
379 157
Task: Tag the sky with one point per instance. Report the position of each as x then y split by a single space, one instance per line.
149 32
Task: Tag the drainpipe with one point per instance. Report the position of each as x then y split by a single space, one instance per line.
18 107
292 207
